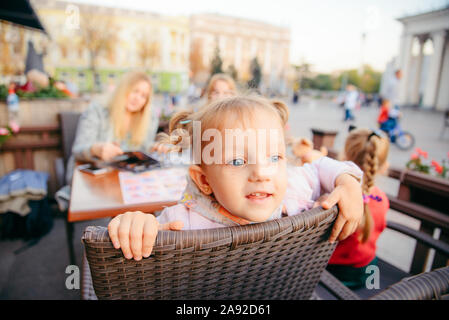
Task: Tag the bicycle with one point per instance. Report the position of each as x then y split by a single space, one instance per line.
404 140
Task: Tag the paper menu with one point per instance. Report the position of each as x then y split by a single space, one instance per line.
153 186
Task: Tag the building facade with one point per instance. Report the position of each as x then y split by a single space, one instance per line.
424 60
130 39
241 40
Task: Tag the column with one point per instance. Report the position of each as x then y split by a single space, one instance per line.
404 65
433 78
415 92
165 48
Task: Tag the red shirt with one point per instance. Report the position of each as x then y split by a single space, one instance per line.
383 115
351 251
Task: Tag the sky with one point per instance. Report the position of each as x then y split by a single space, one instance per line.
325 33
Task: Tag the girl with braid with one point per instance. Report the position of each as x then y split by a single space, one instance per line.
369 150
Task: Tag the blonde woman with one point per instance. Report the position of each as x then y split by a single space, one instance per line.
126 123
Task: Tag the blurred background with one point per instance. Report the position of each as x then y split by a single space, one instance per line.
62 55
278 47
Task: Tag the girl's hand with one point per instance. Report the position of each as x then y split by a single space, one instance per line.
106 151
348 195
135 233
320 200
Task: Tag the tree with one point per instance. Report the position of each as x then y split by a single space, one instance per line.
217 63
196 58
98 36
232 71
368 82
303 76
322 82
148 50
256 74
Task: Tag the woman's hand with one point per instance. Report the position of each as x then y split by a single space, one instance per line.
161 147
106 151
135 233
348 195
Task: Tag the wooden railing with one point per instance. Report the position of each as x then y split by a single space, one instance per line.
23 149
425 198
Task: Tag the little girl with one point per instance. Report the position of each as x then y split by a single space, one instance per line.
369 150
245 182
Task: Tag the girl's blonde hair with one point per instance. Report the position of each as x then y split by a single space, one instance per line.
369 151
219 77
117 105
237 109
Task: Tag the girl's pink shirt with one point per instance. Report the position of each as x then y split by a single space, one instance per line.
305 185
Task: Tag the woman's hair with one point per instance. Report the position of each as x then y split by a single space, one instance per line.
369 151
219 77
117 105
217 114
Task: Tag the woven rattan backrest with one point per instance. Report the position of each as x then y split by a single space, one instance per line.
279 259
69 122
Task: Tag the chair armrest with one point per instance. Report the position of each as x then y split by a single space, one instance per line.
336 287
425 286
60 172
424 238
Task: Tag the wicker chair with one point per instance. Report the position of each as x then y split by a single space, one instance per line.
279 259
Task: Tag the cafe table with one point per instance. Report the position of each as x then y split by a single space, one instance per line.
95 197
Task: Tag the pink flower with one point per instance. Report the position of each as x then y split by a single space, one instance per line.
437 166
421 153
414 157
4 132
14 126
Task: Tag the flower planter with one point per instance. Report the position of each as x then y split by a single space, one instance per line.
430 192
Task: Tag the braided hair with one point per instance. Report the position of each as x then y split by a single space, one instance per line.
369 151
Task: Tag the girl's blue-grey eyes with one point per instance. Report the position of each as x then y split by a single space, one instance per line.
240 162
237 162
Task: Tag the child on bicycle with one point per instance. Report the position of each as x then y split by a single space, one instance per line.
242 183
388 118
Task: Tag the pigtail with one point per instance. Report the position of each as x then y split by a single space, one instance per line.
180 120
282 108
369 152
370 167
179 131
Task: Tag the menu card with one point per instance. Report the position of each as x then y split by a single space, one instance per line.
153 186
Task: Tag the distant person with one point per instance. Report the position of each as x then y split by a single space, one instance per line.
352 256
382 118
388 118
351 99
220 86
